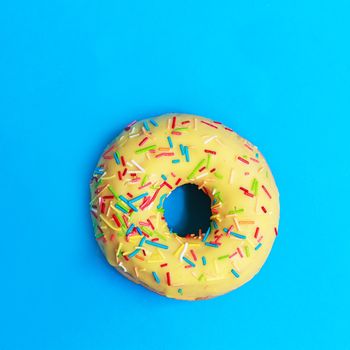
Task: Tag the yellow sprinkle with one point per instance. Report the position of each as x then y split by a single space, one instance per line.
178 250
108 223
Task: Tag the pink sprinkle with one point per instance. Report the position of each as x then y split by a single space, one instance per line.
243 160
254 160
145 185
177 133
165 154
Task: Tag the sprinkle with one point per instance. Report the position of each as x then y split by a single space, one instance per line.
213 126
134 253
196 168
218 175
164 177
209 151
236 211
160 205
145 124
168 280
243 160
189 261
258 246
163 265
266 191
263 209
170 142
206 235
122 209
193 255
123 160
135 199
183 251
155 276
211 245
180 291
210 139
178 181
165 154
173 122
235 273
247 253
187 155
116 157
153 122
143 141
182 149
256 232
204 260
254 186
276 231
155 244
208 161
127 202
175 161
129 230
116 220
145 149
138 166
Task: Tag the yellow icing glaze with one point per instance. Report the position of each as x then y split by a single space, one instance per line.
245 206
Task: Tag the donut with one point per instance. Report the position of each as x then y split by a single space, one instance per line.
143 165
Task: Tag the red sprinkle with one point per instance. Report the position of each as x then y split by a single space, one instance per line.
201 169
193 255
166 154
123 160
266 191
178 181
264 209
124 172
185 122
276 231
213 126
150 223
243 160
177 133
249 147
116 220
168 280
240 252
212 170
209 151
129 194
119 175
163 265
105 154
143 141
174 122
256 232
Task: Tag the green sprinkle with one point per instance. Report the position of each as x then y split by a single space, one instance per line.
147 230
246 249
255 186
180 291
180 129
145 149
208 160
99 235
196 168
218 175
113 192
236 211
201 277
144 180
223 257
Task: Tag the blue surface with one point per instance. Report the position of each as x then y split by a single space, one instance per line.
73 73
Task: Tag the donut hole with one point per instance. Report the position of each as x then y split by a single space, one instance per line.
187 210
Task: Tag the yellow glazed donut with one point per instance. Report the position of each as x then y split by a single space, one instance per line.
143 165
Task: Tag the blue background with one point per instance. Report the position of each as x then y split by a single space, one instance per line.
73 73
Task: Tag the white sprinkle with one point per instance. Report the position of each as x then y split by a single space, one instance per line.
231 177
138 166
123 267
202 175
183 251
134 135
210 139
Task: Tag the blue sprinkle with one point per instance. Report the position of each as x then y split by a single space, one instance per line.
215 225
211 245
139 232
134 253
175 161
189 261
258 246
153 122
155 276
145 124
160 205
235 273
235 234
204 260
99 171
170 142
128 231
121 208
142 241
257 155
206 234
135 199
182 149
187 155
159 245
116 158
164 177
128 203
